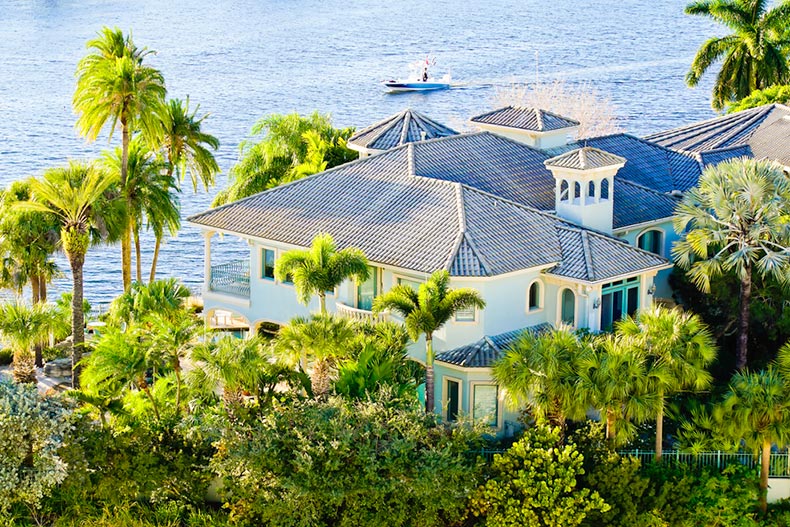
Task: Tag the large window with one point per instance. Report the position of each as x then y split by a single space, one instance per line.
414 284
534 297
267 264
568 307
368 290
452 391
485 403
651 241
618 299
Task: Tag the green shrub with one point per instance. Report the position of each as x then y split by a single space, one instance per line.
347 464
535 483
6 356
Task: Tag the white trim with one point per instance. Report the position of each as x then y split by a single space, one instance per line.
653 229
225 299
445 407
576 302
499 401
541 296
645 224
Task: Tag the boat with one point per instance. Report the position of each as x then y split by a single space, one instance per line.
420 80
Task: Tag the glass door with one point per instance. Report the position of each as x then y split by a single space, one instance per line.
368 290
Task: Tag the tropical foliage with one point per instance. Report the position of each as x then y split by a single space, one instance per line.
425 311
285 148
753 56
774 94
23 327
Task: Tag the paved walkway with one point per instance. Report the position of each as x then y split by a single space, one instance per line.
45 384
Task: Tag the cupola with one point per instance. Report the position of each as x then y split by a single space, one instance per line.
584 186
532 126
407 126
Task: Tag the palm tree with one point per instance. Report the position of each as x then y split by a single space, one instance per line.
75 195
172 339
115 89
161 298
321 339
679 345
756 409
187 151
425 311
735 221
539 370
614 378
753 55
321 268
151 195
24 327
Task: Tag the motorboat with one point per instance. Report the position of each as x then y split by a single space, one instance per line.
420 80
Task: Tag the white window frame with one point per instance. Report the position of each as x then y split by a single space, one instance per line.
575 306
541 296
499 402
445 398
276 256
656 229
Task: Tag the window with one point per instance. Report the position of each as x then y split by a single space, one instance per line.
651 241
604 189
619 299
452 392
564 190
577 191
568 307
485 406
368 290
534 300
591 189
465 315
414 284
267 264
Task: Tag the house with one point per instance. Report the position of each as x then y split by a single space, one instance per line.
548 230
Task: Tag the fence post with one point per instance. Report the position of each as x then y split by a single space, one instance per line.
718 459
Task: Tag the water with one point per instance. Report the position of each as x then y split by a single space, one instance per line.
242 60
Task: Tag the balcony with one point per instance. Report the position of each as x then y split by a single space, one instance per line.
361 315
232 278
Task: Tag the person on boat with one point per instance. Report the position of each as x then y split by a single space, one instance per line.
425 74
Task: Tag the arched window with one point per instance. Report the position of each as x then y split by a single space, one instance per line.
605 189
591 189
564 190
651 241
568 307
577 190
535 296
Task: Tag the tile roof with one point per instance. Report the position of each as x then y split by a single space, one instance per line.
635 204
531 119
765 129
397 217
484 352
407 126
585 158
593 257
647 164
714 157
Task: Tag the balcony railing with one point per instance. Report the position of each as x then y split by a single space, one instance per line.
232 278
358 314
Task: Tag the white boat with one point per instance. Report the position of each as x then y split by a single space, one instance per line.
420 80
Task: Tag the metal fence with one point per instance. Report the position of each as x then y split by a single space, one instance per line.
232 277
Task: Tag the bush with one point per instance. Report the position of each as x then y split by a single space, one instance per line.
339 463
6 357
536 483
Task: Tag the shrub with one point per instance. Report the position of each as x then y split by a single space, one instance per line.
536 483
6 357
339 463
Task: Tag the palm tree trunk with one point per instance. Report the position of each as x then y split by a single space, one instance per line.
322 302
429 389
765 463
35 287
611 423
126 243
42 288
137 258
319 379
77 317
157 245
660 429
177 371
147 390
126 258
743 319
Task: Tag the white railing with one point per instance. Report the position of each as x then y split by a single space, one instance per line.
232 277
358 314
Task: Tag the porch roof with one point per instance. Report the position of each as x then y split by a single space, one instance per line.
484 352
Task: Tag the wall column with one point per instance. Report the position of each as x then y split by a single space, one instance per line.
207 235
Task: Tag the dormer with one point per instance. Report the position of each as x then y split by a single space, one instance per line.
407 126
584 186
532 126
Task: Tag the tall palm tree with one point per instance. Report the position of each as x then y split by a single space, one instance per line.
171 340
321 268
735 221
680 346
615 379
756 409
115 89
151 195
425 311
75 194
753 56
539 370
23 327
320 339
187 150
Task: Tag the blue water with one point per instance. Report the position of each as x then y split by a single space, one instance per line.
242 60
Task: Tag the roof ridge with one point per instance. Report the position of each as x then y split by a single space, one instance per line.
491 343
404 133
588 263
380 123
386 127
459 200
410 160
495 110
676 129
626 244
483 261
539 117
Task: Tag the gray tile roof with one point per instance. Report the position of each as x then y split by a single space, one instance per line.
727 130
532 119
484 352
647 164
593 257
635 204
407 126
714 157
585 158
398 217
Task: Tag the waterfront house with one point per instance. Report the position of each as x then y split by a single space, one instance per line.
548 229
